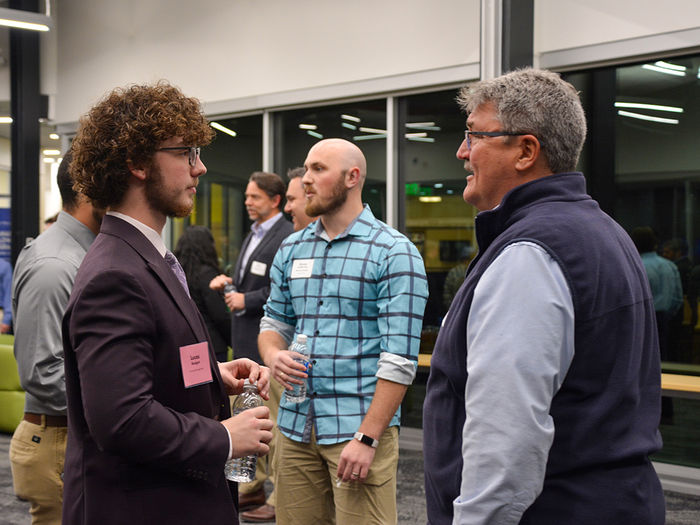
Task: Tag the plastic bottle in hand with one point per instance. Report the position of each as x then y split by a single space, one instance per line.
229 288
243 469
298 394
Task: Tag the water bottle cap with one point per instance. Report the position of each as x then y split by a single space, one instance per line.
248 384
301 338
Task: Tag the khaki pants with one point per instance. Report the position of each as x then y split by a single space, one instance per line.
37 455
307 491
266 464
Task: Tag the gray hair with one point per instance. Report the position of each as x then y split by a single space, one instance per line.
536 102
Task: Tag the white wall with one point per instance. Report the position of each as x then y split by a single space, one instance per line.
563 24
220 49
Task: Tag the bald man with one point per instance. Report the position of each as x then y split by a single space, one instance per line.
295 206
357 288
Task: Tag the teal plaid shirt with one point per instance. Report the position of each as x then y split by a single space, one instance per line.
356 297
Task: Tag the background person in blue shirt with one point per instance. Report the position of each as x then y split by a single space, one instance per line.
6 296
357 288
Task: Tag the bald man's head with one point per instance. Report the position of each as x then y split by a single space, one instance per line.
348 154
335 173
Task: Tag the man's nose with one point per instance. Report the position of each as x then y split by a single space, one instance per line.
463 151
199 168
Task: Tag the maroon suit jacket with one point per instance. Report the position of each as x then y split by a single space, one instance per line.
142 448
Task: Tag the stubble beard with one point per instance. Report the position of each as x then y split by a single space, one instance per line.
338 196
160 200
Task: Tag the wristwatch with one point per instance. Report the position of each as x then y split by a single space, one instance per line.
364 438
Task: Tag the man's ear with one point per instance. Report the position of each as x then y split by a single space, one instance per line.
528 154
352 177
137 171
276 201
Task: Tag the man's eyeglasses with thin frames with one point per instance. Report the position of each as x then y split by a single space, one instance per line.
192 150
468 135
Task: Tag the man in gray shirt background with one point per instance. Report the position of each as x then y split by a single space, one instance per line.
43 280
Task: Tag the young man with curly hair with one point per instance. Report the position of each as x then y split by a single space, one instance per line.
149 426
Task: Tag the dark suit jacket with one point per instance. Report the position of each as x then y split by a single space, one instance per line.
142 448
256 287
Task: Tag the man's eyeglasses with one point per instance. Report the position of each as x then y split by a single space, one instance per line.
193 152
479 134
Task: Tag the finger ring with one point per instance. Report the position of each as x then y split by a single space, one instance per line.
355 474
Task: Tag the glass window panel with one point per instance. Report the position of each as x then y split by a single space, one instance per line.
648 115
230 160
436 217
363 123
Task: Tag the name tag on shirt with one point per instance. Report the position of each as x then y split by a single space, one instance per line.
194 360
258 268
302 268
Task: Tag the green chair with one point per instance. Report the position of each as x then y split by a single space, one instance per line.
11 393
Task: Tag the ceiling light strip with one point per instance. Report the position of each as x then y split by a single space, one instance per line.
223 128
668 65
21 19
656 107
370 137
647 117
664 70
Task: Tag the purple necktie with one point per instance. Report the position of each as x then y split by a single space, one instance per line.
177 270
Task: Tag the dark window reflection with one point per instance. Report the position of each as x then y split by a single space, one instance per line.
363 123
235 153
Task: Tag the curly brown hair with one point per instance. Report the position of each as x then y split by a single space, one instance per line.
128 125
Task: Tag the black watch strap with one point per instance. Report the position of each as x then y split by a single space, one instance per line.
364 438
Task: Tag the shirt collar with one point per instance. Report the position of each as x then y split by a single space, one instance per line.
148 232
360 225
260 229
81 233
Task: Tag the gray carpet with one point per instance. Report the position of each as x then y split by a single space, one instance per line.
680 509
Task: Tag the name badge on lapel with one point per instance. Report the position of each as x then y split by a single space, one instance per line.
258 268
302 268
194 360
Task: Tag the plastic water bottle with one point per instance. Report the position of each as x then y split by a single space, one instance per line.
229 288
243 469
299 393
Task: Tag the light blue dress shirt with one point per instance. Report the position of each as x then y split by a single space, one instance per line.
520 335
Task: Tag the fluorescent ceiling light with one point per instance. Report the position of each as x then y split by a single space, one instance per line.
51 152
308 126
664 70
647 117
54 136
5 120
349 126
350 117
417 134
427 126
370 137
421 139
21 19
637 105
372 130
314 134
430 198
668 65
49 160
223 129
438 185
